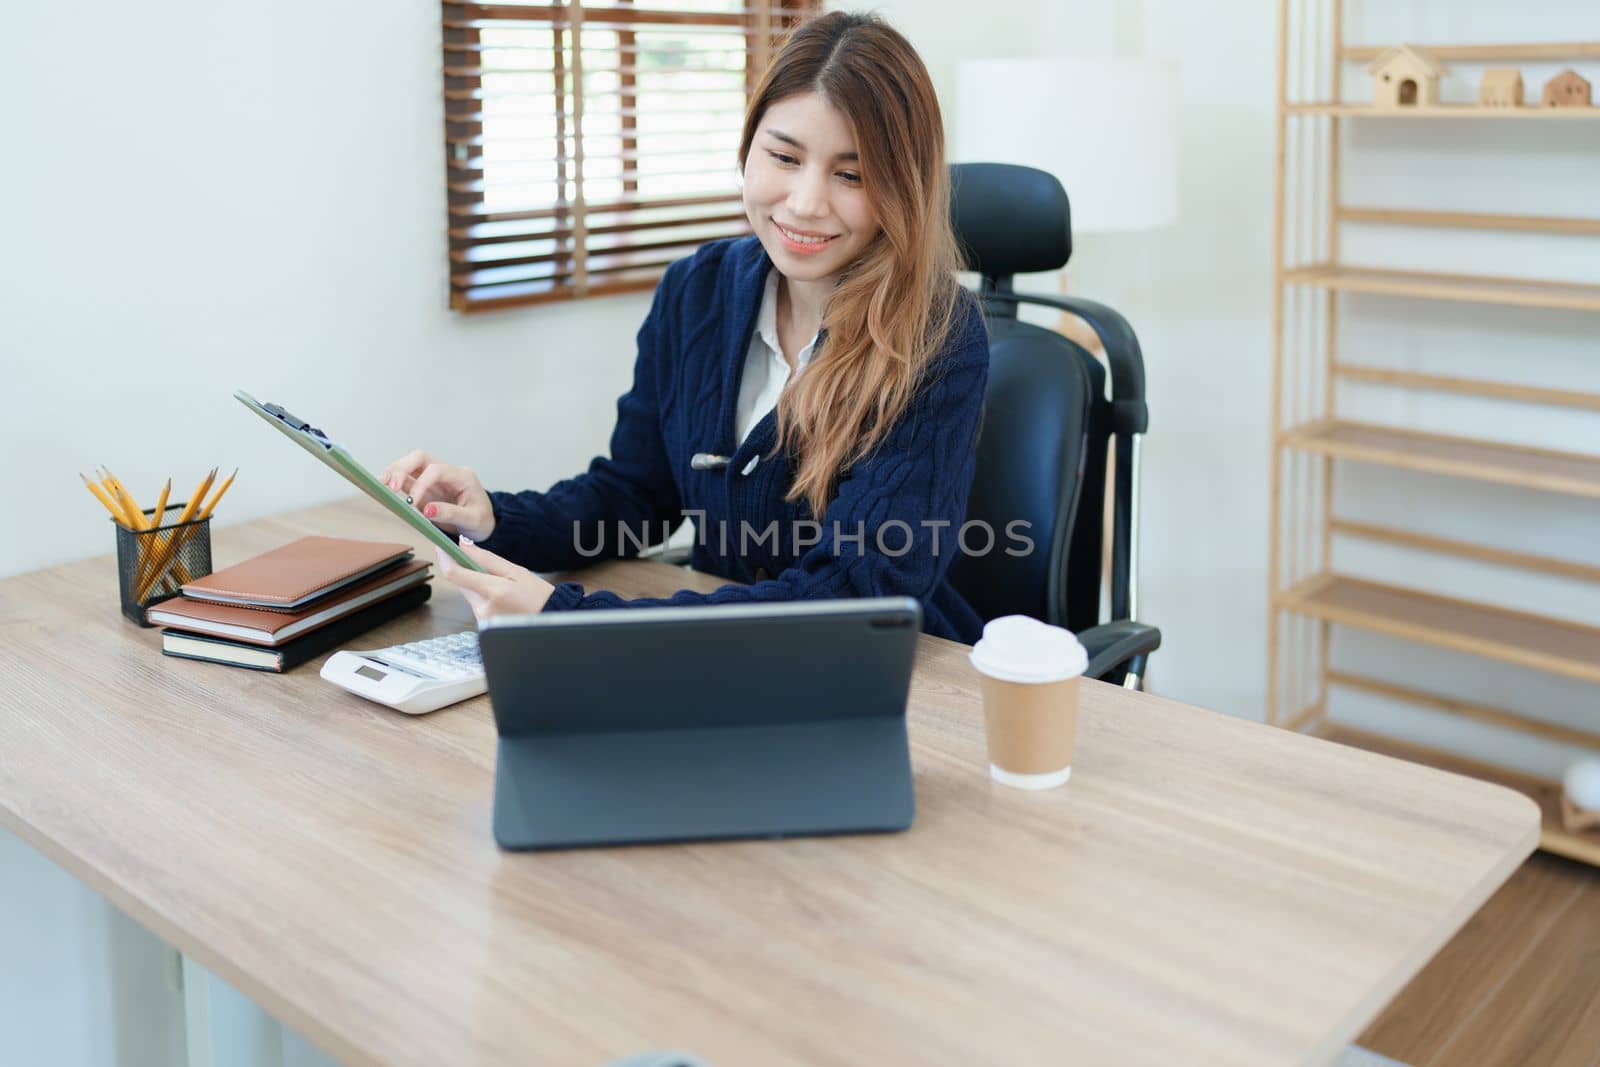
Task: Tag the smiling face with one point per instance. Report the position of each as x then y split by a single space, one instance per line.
802 189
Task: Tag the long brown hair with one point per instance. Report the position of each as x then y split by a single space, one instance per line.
895 305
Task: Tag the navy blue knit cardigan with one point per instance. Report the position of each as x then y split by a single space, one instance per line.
692 350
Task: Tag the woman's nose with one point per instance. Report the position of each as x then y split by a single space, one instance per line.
808 195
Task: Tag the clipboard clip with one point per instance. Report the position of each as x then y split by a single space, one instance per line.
294 422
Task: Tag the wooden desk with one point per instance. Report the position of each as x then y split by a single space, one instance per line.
1206 890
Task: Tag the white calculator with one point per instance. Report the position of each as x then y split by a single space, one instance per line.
419 677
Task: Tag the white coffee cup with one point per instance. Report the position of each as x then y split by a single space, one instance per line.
1029 672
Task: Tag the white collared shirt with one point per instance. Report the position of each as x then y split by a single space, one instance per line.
766 372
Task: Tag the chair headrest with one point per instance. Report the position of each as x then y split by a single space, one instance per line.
1009 219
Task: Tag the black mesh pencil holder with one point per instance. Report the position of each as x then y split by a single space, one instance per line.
153 564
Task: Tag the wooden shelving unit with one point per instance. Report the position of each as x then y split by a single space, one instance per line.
1308 597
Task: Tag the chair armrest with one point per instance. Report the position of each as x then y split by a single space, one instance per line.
1112 644
1123 355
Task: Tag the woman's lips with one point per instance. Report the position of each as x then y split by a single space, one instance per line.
798 246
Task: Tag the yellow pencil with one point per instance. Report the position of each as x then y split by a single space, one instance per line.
117 500
130 518
100 495
120 494
161 505
206 514
198 498
171 547
134 520
155 522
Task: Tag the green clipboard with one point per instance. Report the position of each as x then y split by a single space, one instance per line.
344 464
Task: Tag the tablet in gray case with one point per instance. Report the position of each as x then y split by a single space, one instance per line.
675 724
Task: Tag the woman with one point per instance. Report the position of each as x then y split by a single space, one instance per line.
809 394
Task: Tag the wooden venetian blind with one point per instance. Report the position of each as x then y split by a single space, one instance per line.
589 143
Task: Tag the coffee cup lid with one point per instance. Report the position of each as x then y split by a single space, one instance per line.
1019 648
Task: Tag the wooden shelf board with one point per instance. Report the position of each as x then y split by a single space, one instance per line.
1525 394
1445 111
1535 641
1571 226
1553 837
1559 472
1467 709
1502 557
1468 53
1515 292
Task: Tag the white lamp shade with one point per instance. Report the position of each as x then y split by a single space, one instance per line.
1106 129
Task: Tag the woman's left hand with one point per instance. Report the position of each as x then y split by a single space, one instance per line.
502 588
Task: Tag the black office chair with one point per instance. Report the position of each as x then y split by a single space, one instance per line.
1048 425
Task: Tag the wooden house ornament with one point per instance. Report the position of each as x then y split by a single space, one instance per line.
1567 89
1405 77
1501 87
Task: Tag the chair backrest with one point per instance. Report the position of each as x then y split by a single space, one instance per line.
1046 420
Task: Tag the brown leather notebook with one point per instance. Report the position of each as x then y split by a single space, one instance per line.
296 574
272 628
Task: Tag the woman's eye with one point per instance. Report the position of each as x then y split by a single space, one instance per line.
786 160
849 176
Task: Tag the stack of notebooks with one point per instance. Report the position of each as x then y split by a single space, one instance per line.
292 604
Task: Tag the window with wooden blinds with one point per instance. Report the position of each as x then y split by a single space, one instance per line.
592 142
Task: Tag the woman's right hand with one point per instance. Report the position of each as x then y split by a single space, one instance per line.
450 496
